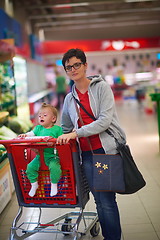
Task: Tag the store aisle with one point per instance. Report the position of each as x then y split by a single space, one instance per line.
140 212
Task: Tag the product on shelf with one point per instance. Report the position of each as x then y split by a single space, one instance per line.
7 88
3 117
18 125
3 153
5 133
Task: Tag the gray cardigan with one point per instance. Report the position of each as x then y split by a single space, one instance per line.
103 107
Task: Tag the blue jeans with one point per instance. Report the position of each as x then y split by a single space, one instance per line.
106 204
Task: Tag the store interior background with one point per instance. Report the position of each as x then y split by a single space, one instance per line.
121 40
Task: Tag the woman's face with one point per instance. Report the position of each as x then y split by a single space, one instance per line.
75 69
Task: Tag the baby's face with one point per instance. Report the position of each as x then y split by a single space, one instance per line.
46 118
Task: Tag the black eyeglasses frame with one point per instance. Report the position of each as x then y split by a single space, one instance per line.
73 66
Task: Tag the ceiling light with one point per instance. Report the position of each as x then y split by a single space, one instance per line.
70 5
140 0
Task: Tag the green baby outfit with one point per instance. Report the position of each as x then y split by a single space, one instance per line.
50 158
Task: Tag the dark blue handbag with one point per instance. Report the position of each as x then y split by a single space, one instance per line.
108 173
113 172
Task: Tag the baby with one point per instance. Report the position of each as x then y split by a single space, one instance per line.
47 116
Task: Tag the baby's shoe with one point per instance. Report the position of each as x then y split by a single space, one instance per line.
54 189
33 190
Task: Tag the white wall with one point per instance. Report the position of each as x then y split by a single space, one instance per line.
36 77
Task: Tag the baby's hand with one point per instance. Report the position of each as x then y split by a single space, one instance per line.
49 143
23 135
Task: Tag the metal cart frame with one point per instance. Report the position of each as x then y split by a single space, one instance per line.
73 189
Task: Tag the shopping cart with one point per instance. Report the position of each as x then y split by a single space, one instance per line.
73 190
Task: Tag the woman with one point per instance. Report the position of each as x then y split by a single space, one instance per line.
97 98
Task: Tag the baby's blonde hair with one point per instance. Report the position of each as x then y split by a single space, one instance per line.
53 109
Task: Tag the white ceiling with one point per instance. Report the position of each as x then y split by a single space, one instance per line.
75 19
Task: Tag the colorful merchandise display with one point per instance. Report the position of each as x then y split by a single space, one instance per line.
12 118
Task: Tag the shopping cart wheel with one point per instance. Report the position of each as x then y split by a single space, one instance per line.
95 229
66 227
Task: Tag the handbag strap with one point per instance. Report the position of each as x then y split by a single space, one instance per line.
80 104
82 123
91 116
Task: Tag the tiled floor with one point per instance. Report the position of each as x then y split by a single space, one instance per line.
140 212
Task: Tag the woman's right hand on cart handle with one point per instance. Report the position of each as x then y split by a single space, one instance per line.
64 138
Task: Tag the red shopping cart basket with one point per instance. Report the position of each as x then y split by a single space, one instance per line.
72 186
73 189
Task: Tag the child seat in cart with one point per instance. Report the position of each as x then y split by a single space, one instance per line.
73 190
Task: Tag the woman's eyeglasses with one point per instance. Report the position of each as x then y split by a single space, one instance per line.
75 66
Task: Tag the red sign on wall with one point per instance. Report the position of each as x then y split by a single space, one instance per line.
56 47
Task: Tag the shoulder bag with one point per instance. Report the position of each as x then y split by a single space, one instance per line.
107 169
133 179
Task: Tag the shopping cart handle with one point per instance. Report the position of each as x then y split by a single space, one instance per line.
28 140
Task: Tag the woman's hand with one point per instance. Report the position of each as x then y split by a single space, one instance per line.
64 138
